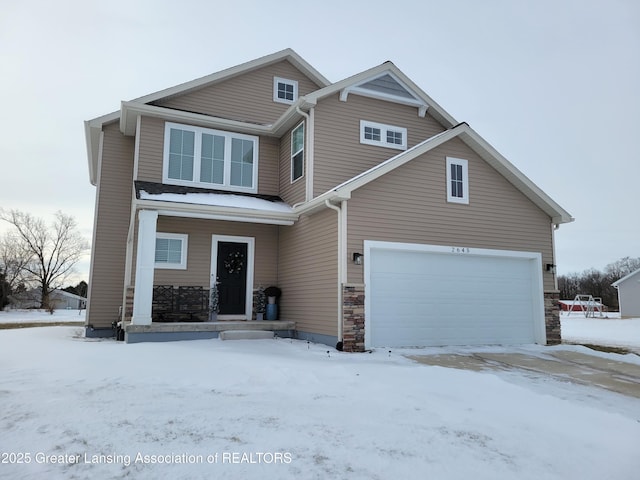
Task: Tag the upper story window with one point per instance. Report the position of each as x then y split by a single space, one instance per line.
297 152
284 90
171 251
383 135
457 180
210 158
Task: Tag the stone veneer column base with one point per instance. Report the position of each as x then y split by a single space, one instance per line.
128 305
552 317
353 317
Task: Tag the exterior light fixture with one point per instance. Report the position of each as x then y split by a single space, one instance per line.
357 258
551 268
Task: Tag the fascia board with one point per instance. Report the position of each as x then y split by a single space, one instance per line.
377 71
131 110
515 177
92 130
209 211
286 54
625 278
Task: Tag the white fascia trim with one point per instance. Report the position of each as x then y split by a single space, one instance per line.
516 177
387 67
287 54
217 213
625 278
93 132
131 110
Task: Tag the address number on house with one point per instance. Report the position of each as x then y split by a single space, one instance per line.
460 250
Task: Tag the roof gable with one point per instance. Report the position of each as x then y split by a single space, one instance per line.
386 82
626 278
477 144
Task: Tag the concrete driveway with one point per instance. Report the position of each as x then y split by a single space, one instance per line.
566 365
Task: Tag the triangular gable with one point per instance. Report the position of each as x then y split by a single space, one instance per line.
474 142
386 82
223 75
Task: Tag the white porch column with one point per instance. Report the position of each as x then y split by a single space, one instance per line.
145 261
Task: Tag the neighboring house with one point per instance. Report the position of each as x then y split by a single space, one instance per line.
58 299
629 294
580 306
382 219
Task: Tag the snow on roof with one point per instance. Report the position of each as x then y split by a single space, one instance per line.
219 200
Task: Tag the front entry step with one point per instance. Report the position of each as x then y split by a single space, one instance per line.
246 334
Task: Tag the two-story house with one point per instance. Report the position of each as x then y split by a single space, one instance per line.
382 219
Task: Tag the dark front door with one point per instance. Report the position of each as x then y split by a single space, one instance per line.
232 278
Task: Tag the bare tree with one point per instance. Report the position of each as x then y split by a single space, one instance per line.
13 259
51 252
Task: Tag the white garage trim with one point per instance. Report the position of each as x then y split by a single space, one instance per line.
527 264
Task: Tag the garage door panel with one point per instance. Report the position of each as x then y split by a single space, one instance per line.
420 298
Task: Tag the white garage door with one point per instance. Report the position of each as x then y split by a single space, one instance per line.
426 295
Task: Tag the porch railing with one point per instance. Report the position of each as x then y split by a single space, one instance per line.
180 304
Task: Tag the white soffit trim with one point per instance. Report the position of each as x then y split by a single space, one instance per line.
217 213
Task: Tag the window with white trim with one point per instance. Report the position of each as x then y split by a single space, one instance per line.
297 152
284 90
171 251
457 180
209 158
383 135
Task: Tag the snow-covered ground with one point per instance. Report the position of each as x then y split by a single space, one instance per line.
42 316
282 409
609 331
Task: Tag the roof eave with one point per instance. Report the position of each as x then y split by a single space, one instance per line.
192 210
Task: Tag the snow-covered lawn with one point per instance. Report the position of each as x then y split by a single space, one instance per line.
282 409
42 316
610 331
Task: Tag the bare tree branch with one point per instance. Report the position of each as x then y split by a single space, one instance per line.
44 255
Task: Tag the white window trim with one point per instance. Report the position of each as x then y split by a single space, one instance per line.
298 151
294 83
226 185
465 180
383 135
183 254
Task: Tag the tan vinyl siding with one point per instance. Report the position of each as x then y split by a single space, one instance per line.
151 156
338 153
308 274
200 232
248 97
113 208
291 193
410 205
150 149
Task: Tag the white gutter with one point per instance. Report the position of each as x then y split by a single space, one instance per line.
341 249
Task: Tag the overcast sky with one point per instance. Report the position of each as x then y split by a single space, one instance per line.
551 84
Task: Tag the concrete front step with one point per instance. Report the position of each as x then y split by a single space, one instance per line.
246 335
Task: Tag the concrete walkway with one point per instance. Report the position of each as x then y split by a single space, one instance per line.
620 377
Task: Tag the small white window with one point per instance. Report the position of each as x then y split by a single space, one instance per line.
284 91
171 251
297 152
382 135
457 180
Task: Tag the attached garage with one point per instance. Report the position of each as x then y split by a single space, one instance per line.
429 295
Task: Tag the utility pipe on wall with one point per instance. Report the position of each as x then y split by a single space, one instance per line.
340 266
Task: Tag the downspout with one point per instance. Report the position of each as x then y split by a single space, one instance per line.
554 227
340 267
308 146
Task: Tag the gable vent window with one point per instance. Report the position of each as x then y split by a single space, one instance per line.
457 180
383 135
284 91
